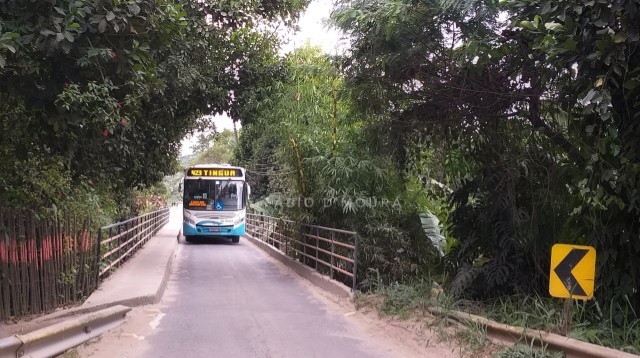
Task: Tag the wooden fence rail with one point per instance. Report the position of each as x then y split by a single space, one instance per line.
44 263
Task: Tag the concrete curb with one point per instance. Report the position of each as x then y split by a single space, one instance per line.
131 302
322 282
503 333
60 337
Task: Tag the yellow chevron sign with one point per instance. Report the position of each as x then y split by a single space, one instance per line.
573 271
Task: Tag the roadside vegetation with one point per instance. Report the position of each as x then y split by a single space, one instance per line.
426 300
460 138
95 96
499 128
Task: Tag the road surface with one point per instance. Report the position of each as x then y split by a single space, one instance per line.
226 300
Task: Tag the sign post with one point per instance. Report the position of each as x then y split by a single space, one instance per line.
572 276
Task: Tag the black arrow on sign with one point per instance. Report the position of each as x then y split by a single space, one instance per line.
564 268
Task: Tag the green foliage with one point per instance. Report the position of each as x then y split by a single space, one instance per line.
108 89
473 338
525 351
530 110
401 299
305 140
215 148
616 327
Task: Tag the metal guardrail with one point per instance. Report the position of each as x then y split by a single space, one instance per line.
118 242
60 337
332 252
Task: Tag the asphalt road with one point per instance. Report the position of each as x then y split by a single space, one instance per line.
230 301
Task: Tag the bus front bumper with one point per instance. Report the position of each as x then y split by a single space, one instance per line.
198 230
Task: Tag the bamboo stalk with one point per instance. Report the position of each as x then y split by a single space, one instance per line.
33 264
43 270
4 263
55 262
73 256
14 270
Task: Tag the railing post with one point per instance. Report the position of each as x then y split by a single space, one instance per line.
136 229
304 246
333 235
267 231
117 242
287 231
355 263
119 237
317 240
98 258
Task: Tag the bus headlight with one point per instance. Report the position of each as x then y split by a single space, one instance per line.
188 220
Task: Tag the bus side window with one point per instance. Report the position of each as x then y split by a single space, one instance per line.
245 194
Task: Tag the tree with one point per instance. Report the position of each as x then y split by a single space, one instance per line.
534 118
309 159
112 88
217 147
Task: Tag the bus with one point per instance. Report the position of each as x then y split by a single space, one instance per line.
214 202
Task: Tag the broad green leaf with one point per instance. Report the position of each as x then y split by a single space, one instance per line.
536 21
26 39
589 129
10 35
527 25
68 36
570 44
59 36
96 19
602 45
134 8
9 47
619 37
599 83
631 84
553 26
590 96
110 16
3 62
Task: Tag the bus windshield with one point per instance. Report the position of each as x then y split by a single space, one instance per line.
216 195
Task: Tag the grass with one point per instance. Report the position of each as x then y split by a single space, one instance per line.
473 338
620 331
590 323
401 300
524 351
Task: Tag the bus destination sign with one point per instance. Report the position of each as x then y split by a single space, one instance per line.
214 172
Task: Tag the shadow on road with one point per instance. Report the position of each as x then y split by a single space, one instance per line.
212 240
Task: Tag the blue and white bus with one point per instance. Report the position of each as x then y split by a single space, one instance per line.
214 201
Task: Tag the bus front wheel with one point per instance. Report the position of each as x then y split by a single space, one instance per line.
235 239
